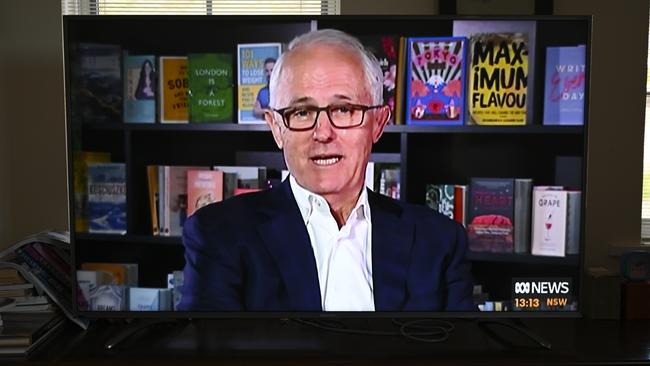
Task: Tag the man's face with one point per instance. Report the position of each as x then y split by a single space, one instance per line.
326 160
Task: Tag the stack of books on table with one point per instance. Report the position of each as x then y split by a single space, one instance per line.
35 288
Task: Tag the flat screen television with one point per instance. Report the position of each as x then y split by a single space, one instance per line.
475 199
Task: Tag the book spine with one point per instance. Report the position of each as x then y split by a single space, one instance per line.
59 290
53 258
43 263
573 222
523 190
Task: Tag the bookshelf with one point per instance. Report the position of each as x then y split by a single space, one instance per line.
426 154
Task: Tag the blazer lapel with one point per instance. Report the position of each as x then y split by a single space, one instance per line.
392 239
287 239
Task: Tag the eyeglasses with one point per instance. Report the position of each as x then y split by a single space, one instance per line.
303 118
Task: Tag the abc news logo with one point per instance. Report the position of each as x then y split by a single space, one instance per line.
542 287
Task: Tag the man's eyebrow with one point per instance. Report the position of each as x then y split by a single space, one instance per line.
301 100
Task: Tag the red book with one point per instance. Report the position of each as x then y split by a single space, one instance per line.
203 187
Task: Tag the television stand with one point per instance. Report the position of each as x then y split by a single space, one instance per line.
486 325
135 327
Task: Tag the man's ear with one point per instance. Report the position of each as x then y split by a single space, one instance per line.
382 119
275 127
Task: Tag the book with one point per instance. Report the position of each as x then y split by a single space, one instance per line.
152 185
44 277
122 273
440 198
149 299
564 85
81 159
203 187
436 81
162 220
523 199
247 176
491 212
549 221
108 298
501 64
107 198
389 182
210 87
400 82
255 63
173 89
573 219
460 204
96 90
386 49
139 76
89 281
175 198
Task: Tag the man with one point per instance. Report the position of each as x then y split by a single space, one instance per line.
262 100
321 240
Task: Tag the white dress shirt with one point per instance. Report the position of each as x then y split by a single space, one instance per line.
343 257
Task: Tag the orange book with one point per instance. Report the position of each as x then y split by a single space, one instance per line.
123 273
173 89
203 187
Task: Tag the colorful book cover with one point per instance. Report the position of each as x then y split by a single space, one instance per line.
255 63
210 87
386 50
491 213
80 171
203 187
96 95
139 77
549 222
501 65
564 85
173 89
440 198
436 81
107 198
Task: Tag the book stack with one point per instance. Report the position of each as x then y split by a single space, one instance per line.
35 288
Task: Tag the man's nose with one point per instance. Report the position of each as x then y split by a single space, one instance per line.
323 131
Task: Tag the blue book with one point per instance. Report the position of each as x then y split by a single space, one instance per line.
96 94
107 198
139 98
564 85
435 81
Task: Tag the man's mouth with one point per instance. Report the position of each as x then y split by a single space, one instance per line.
325 160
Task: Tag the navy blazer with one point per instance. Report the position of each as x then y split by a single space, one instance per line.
253 253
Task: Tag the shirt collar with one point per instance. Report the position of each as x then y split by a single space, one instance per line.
308 202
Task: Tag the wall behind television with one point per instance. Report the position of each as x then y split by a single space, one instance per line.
32 138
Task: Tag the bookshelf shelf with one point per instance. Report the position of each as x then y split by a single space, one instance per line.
408 129
570 260
129 239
